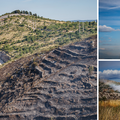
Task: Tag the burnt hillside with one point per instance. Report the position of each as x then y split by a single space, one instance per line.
59 85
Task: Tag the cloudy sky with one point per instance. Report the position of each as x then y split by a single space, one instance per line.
109 21
54 9
109 70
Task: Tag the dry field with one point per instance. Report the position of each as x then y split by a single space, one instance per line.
109 110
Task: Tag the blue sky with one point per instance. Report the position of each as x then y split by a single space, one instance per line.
54 9
109 21
109 70
105 65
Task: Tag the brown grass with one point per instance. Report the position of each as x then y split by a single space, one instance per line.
110 103
109 110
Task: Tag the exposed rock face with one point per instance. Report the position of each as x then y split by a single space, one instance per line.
1 62
4 57
39 71
58 87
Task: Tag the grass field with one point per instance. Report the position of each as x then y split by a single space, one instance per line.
109 110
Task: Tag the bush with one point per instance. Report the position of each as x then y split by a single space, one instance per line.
92 30
91 68
21 25
103 98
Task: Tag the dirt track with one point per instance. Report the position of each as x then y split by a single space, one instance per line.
58 87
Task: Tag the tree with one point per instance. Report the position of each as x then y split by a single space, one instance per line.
92 30
30 13
26 12
44 23
77 32
16 11
89 23
86 23
35 14
93 23
83 26
23 12
79 27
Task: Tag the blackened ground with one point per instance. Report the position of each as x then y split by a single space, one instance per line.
60 85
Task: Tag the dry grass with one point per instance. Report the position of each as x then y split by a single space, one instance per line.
110 103
109 110
8 35
15 29
89 35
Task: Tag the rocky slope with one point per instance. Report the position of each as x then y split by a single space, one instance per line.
3 57
60 85
106 92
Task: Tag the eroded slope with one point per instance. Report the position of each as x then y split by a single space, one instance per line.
60 85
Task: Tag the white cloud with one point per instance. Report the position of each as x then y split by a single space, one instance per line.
109 74
115 87
105 28
117 29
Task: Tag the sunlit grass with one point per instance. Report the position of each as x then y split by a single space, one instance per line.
109 103
109 110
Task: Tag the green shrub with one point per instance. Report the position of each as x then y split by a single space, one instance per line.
91 68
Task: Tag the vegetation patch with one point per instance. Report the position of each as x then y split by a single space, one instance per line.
35 33
109 110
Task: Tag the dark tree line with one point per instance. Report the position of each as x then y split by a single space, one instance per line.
23 12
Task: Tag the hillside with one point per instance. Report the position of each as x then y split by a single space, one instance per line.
109 100
83 20
49 70
58 85
106 92
23 34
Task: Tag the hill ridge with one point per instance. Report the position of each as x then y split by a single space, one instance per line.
26 35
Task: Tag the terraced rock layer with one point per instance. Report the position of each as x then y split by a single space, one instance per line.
56 86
